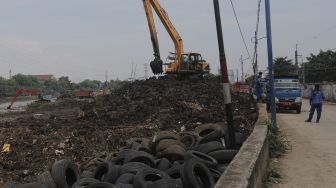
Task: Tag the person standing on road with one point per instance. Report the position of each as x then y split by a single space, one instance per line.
316 100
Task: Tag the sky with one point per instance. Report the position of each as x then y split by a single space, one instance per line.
83 39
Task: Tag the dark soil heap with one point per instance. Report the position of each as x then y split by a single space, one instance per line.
167 102
138 109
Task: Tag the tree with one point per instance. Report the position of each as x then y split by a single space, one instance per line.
283 65
321 67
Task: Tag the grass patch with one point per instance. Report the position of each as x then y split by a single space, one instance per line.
278 143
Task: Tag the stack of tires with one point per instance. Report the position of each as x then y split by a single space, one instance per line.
194 159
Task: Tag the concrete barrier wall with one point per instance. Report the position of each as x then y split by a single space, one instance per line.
249 168
329 90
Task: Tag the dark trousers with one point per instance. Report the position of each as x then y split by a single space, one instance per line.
318 108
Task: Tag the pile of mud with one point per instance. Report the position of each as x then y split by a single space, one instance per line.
138 109
167 102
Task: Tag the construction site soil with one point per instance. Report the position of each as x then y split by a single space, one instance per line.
81 131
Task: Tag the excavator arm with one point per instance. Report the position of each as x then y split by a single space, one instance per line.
156 65
20 92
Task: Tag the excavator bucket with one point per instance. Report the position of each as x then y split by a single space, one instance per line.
157 66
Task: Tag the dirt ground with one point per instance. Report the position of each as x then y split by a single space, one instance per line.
82 130
311 163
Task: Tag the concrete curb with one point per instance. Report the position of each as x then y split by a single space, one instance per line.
249 168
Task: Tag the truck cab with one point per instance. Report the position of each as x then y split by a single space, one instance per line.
288 93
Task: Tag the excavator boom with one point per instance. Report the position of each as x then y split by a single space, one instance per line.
189 63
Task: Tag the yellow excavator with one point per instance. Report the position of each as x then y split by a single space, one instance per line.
180 63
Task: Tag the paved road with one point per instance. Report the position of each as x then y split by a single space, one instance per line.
312 161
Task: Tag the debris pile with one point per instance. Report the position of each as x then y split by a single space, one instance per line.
137 109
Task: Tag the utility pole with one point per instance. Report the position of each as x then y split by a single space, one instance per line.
237 76
105 76
270 63
242 67
296 56
10 73
225 78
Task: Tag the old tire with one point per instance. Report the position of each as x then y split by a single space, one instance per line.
174 172
127 178
166 143
201 157
148 176
210 132
166 183
81 183
107 172
132 167
140 156
224 156
46 179
163 164
189 141
196 175
173 153
166 135
101 185
64 173
209 147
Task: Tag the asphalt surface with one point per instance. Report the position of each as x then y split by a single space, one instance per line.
311 163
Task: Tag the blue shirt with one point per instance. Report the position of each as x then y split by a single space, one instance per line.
317 97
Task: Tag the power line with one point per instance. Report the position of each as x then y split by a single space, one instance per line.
240 30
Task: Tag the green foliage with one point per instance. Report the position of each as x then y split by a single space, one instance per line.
63 85
321 67
278 143
283 65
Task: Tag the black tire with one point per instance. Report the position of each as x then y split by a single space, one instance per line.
139 144
147 176
64 173
173 153
127 178
174 172
32 185
210 132
201 157
81 183
166 183
140 156
189 140
224 156
196 175
87 174
132 167
101 185
122 185
107 172
120 158
46 179
166 143
163 164
222 167
216 174
166 135
209 147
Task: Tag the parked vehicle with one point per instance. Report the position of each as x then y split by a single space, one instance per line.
287 93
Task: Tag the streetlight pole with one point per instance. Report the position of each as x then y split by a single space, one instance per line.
270 63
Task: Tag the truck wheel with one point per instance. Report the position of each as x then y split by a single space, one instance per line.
298 110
